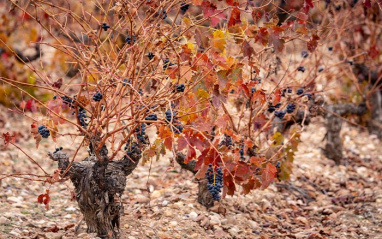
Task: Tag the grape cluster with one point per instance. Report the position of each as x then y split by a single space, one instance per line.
43 131
82 117
126 81
330 48
162 14
253 90
132 148
141 133
184 7
300 91
167 63
150 55
97 97
180 88
290 108
227 141
278 164
320 69
68 101
105 26
271 109
309 96
128 39
172 119
58 149
151 117
278 105
241 151
280 114
301 68
140 91
304 54
214 182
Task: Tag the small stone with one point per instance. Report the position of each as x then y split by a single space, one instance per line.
193 215
54 235
81 235
70 209
195 235
4 220
156 194
168 213
234 231
254 225
215 220
14 199
173 224
142 199
15 233
164 203
51 224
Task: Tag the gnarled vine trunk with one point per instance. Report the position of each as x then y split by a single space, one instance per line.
204 196
99 184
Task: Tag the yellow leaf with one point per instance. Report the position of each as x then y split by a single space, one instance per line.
202 93
218 40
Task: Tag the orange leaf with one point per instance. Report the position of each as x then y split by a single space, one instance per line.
268 175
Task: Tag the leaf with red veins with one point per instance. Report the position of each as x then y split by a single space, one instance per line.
308 4
313 43
210 10
235 17
8 138
251 185
248 50
36 135
268 175
302 17
262 36
57 84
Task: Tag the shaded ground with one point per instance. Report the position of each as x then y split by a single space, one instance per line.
321 201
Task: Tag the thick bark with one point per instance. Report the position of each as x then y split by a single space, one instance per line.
333 147
99 184
375 124
204 196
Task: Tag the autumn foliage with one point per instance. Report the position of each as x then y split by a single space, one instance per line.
236 60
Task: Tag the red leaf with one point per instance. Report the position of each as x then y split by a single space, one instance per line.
44 198
256 15
302 17
250 185
229 185
31 105
57 84
168 143
312 43
52 229
268 175
367 3
68 226
182 143
308 4
248 50
36 135
210 10
373 52
8 138
232 3
191 154
235 17
262 36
